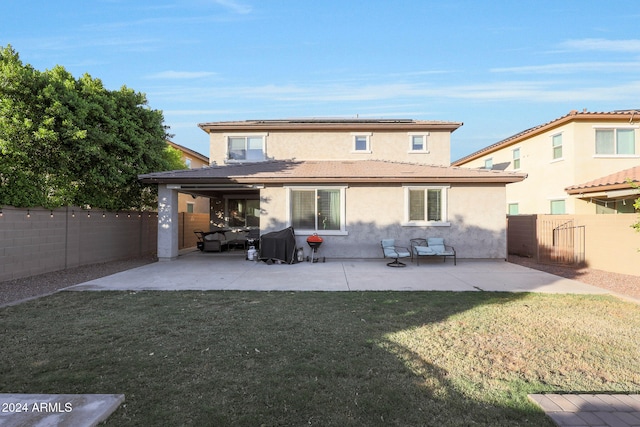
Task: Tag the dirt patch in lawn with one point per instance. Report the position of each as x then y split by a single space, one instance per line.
623 284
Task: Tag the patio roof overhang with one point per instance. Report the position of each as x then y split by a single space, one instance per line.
251 176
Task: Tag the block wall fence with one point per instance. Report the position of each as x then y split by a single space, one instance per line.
36 241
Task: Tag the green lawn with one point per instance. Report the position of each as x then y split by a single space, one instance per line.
327 359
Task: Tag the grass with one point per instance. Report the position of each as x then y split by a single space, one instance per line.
329 359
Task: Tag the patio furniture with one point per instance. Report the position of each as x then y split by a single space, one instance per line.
211 241
238 239
432 246
390 250
419 248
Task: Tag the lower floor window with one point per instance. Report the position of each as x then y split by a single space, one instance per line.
243 212
317 209
557 207
426 205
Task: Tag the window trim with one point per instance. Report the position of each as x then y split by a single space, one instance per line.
516 204
514 158
490 160
425 136
443 212
343 209
367 136
615 154
553 147
557 199
228 136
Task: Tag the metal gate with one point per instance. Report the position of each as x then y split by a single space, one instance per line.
561 242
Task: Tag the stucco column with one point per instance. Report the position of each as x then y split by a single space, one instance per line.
167 223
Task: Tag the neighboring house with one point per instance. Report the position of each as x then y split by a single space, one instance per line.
193 160
615 193
354 182
576 164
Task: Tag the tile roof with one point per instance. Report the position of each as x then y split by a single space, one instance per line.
327 124
572 116
615 181
329 171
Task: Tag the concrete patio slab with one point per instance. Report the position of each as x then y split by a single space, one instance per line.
53 410
591 410
230 271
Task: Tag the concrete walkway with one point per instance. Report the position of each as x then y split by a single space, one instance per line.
591 410
56 410
229 271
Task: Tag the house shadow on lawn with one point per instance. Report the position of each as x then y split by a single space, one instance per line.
256 358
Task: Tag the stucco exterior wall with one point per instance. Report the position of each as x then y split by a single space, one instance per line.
391 146
476 214
548 178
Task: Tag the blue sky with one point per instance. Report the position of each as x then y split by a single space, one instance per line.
499 66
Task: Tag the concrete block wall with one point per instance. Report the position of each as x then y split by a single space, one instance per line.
36 241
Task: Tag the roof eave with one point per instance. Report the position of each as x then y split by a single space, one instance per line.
220 127
529 133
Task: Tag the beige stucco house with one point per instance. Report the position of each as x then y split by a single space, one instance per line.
354 182
569 163
193 160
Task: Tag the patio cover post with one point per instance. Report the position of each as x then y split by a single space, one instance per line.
167 223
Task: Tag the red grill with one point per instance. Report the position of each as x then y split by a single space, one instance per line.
314 241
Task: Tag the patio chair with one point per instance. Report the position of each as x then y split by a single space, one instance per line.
436 244
420 248
390 250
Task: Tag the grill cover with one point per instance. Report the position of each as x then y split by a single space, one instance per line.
279 245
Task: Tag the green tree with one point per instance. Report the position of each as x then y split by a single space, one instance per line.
636 205
67 141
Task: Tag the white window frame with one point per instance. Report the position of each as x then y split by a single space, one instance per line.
513 156
425 139
490 162
343 209
615 154
228 136
516 204
355 136
187 162
558 199
557 159
444 222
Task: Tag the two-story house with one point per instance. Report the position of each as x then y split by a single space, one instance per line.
574 164
353 181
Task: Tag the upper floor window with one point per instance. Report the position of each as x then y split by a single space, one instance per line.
248 148
426 205
418 142
488 163
615 142
516 158
513 209
361 143
556 145
187 162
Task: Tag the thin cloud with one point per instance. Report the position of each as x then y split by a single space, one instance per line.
235 6
181 75
571 67
515 90
604 45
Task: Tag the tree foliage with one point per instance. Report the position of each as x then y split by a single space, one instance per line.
67 141
636 205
